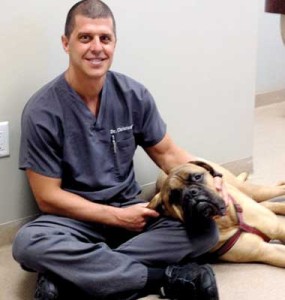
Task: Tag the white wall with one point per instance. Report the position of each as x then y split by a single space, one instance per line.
197 57
271 53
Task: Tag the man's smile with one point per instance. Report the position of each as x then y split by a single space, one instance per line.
95 61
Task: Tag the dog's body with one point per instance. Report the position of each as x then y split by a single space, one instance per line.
191 192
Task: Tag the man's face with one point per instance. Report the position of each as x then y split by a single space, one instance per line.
90 47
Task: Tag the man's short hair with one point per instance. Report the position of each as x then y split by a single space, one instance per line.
94 9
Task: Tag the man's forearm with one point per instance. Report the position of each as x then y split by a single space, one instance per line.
60 202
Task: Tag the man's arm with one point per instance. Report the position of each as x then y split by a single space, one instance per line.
52 199
166 154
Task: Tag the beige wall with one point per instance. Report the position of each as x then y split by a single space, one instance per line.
196 57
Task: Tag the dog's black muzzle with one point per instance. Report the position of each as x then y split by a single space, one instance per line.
198 200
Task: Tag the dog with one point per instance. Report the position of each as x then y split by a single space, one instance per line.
193 193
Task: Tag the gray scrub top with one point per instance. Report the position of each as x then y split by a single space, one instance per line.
93 156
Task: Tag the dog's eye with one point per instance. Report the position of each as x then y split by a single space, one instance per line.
197 177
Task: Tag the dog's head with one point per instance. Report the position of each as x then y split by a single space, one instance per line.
189 191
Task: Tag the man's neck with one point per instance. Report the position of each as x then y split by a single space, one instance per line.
88 89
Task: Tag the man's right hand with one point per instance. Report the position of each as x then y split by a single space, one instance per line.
134 217
52 199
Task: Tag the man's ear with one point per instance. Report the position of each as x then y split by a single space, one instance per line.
65 43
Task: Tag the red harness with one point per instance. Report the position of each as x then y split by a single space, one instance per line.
242 227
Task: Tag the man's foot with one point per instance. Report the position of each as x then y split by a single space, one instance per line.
190 281
46 289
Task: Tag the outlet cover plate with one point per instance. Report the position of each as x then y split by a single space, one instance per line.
4 139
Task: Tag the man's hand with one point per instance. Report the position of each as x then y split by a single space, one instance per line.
221 189
134 217
52 199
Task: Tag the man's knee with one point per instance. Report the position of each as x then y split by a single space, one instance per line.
26 247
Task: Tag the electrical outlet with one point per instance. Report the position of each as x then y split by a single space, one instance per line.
4 139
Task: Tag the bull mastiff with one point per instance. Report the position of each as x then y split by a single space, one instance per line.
246 221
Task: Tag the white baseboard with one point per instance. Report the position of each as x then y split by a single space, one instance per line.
269 98
236 167
9 230
239 166
148 191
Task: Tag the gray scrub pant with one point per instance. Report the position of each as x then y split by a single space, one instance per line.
102 261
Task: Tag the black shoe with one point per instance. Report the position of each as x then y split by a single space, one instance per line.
190 281
46 289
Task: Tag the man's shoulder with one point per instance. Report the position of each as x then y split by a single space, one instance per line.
125 81
46 97
48 92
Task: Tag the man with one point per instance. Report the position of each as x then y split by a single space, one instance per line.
95 237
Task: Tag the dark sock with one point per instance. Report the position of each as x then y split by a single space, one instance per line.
155 279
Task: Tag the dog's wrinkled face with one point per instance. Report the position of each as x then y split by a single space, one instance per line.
189 190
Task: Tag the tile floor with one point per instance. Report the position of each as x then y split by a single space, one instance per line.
269 167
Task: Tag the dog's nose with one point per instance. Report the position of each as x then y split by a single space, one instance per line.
194 191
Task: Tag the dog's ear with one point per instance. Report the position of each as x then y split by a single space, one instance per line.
175 196
175 204
156 202
207 167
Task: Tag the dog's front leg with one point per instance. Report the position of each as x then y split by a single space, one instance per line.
198 226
